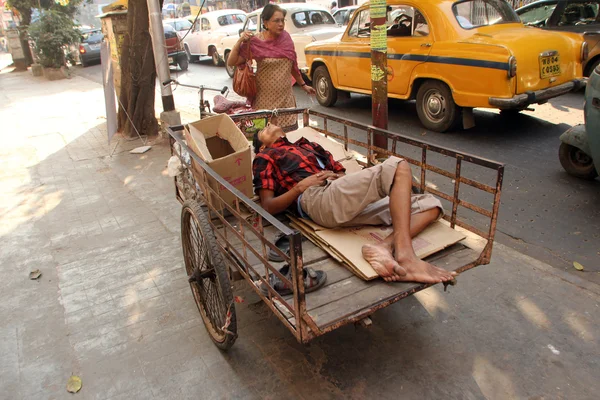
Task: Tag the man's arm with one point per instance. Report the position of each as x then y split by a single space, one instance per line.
275 205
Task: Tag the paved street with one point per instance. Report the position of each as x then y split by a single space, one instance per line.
545 213
113 305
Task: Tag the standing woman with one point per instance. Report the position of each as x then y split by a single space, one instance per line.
275 56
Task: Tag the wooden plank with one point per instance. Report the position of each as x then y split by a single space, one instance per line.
376 291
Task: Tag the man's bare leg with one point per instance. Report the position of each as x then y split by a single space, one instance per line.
404 265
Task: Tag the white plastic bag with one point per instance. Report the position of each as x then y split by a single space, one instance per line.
174 166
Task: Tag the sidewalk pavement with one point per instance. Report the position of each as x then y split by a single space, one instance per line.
113 305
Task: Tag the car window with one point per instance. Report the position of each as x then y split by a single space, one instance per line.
538 14
231 19
361 26
339 16
251 23
404 21
183 25
303 19
92 36
205 24
475 13
580 13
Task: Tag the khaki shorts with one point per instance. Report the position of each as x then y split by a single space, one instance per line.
361 198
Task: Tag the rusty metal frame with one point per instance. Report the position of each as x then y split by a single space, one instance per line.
303 327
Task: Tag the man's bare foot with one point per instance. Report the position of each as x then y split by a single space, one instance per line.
381 259
421 271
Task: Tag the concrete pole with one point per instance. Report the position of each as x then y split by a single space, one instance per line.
160 54
379 73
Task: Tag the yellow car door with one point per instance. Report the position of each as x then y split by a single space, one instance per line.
409 44
353 55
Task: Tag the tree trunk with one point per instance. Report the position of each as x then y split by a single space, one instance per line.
138 75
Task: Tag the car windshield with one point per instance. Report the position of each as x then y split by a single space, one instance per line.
92 37
304 19
231 19
475 13
536 13
182 25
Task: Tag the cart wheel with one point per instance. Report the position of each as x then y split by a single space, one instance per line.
207 274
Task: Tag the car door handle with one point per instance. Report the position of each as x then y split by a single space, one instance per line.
425 44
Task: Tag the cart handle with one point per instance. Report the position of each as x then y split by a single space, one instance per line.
223 90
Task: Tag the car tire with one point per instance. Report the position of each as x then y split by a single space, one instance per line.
216 59
230 70
591 67
576 162
183 63
84 64
436 108
326 92
189 56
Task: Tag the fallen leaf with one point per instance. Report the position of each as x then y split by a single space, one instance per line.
577 266
74 384
35 274
238 299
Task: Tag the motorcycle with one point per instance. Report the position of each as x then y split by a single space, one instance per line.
579 152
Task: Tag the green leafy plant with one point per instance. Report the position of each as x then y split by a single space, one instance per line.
52 34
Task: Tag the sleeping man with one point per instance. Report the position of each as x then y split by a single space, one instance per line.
303 178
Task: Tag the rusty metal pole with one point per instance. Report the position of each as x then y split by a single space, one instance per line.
379 103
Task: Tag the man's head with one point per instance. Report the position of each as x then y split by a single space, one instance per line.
266 137
333 4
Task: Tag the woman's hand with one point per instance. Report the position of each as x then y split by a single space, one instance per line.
245 36
309 90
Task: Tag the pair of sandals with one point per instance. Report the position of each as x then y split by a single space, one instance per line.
313 280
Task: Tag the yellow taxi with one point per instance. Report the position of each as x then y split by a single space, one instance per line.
451 56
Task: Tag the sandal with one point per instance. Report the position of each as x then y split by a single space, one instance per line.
313 280
283 243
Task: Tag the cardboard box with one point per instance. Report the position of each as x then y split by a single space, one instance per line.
219 142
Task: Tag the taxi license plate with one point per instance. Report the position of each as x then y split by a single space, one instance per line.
549 66
170 60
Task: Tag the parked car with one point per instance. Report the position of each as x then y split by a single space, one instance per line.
181 25
451 58
343 15
305 23
568 16
208 31
175 51
89 47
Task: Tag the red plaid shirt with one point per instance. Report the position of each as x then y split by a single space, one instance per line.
280 167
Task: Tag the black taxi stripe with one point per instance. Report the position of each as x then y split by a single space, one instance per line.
468 62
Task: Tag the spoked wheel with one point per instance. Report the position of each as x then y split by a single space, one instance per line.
207 274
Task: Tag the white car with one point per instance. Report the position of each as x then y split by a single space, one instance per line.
343 15
306 23
181 25
208 31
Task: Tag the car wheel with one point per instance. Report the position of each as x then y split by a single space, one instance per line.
326 92
84 64
230 70
576 162
189 55
216 58
183 63
436 107
591 67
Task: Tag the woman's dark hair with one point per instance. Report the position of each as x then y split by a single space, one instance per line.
269 10
256 143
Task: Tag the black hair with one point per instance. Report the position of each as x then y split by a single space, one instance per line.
269 10
256 143
333 3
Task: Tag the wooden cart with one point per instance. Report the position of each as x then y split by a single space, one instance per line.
226 242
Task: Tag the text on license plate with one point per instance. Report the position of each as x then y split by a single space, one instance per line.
170 60
549 66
